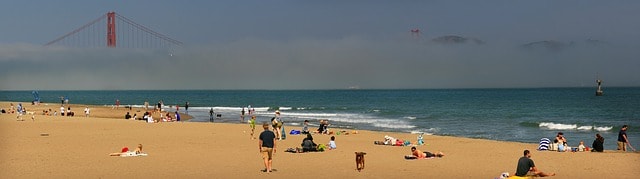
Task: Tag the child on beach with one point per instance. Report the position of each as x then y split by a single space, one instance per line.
581 146
332 143
252 125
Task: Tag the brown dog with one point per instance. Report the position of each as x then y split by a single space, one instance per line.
360 160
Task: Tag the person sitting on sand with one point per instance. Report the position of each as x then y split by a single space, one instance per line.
581 147
321 127
388 140
417 154
526 167
325 126
150 119
598 144
167 118
125 151
332 143
308 145
562 142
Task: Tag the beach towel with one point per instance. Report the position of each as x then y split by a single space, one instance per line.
291 150
294 132
411 157
132 154
517 177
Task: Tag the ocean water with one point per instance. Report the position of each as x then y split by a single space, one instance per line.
523 115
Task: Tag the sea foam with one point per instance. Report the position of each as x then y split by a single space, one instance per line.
557 126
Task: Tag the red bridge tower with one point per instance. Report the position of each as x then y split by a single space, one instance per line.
111 29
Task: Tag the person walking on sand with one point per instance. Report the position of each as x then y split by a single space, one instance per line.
86 111
527 167
252 125
267 147
277 124
623 141
62 110
117 103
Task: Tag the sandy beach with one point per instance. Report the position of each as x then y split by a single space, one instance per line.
79 147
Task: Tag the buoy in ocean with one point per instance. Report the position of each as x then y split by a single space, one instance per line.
599 91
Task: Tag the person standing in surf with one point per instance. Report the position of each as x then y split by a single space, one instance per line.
211 115
242 115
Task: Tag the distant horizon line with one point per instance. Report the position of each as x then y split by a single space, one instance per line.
327 89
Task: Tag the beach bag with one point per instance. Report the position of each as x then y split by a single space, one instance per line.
294 132
544 144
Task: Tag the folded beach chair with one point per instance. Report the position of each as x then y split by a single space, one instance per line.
544 144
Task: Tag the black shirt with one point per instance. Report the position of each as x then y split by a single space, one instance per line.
524 164
621 137
597 145
267 138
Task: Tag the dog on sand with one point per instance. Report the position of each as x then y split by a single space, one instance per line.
360 160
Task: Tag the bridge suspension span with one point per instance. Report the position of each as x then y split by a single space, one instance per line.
114 30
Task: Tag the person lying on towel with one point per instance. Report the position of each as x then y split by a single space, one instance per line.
126 152
417 154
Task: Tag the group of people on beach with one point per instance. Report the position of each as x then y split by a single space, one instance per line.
166 117
20 110
268 139
162 116
250 110
561 145
526 166
273 132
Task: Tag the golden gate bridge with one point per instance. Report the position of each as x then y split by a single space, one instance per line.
114 30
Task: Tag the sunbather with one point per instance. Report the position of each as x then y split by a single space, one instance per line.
417 154
125 151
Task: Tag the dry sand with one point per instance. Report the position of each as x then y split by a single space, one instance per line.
78 147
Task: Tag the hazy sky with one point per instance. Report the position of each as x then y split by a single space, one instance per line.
330 44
